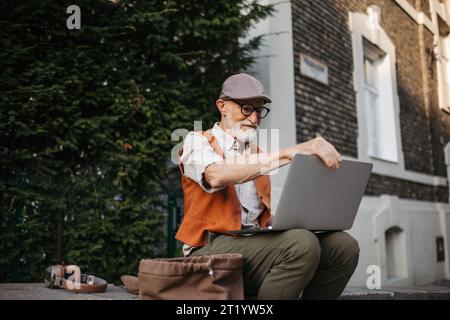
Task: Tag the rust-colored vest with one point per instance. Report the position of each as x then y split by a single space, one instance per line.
218 212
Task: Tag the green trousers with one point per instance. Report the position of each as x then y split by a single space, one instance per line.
292 264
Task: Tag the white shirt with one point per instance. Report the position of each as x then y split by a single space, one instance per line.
198 154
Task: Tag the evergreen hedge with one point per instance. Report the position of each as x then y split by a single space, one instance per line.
86 118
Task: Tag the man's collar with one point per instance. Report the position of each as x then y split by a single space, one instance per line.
225 140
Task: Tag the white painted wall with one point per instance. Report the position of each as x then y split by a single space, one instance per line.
421 223
275 69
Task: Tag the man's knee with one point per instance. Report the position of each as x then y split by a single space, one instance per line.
305 245
350 245
345 246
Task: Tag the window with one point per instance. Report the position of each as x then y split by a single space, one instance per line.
379 104
377 101
445 67
442 22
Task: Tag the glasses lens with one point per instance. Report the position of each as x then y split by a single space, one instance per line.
263 112
247 109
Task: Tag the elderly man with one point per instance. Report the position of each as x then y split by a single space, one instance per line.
226 187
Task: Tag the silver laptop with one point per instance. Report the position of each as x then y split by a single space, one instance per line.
318 198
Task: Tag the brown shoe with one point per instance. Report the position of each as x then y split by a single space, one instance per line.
131 283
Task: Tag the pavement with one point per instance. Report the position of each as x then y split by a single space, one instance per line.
38 291
436 291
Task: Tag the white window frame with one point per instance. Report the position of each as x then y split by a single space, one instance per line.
440 16
359 28
443 65
445 69
420 18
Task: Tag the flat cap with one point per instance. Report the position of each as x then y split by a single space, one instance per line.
243 87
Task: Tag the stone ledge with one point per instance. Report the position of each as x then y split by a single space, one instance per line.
438 291
38 291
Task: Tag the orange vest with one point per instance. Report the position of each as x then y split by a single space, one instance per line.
217 212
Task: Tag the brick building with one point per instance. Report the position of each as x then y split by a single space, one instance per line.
373 78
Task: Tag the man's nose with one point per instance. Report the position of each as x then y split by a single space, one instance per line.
253 117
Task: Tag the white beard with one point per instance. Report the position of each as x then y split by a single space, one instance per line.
234 129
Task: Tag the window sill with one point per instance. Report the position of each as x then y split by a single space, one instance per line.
397 170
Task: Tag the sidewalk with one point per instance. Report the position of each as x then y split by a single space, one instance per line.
38 291
437 291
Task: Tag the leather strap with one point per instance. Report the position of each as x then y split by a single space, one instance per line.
71 278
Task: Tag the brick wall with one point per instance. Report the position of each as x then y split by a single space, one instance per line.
321 30
379 185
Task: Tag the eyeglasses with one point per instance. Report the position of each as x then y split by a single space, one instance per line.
248 109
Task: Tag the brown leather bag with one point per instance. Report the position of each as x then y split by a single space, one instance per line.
215 277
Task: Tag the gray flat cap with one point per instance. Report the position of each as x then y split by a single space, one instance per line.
243 87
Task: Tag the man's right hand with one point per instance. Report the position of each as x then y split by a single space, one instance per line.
321 148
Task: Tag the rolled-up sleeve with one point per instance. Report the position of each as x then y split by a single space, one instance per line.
198 155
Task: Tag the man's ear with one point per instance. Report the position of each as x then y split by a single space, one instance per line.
221 106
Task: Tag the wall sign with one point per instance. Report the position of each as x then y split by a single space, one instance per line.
313 68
